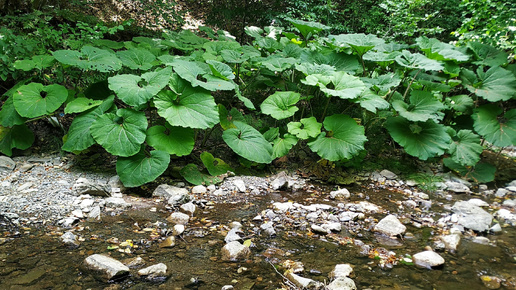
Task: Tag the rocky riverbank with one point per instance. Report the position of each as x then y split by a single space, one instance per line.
375 222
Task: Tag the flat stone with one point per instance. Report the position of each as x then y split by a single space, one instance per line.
178 218
342 193
7 164
117 202
233 235
188 208
134 262
342 283
280 181
302 282
240 184
169 242
471 216
153 271
428 259
268 228
174 195
478 202
85 186
105 268
317 229
30 277
282 206
457 187
199 189
390 226
341 270
235 251
178 229
69 239
501 192
388 174
451 242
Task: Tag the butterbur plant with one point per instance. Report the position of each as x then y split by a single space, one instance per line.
154 99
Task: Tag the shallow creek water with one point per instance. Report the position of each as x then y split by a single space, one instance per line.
36 259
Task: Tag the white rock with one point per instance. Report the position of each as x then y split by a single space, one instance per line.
282 206
173 194
69 239
178 229
333 226
178 218
457 187
188 207
390 226
478 202
6 164
153 271
342 193
235 251
348 216
117 202
496 228
233 235
428 259
240 184
105 267
341 271
451 242
319 229
501 192
342 283
506 216
481 240
301 282
388 174
471 216
199 189
78 213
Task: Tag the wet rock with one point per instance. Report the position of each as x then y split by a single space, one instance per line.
457 187
282 206
85 186
481 240
348 216
471 216
388 174
169 242
233 235
235 251
178 218
94 213
478 202
105 268
491 282
268 228
174 195
301 282
178 229
428 259
135 262
293 266
227 287
6 164
506 216
501 192
390 226
279 182
239 184
317 229
340 271
363 206
69 239
199 189
342 193
188 208
451 242
117 202
154 272
342 283
29 277
332 227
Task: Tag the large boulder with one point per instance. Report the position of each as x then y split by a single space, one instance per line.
390 226
105 268
471 216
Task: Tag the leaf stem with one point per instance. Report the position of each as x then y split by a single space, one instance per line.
325 108
410 84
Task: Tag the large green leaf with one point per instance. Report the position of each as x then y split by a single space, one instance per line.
465 148
248 143
461 103
496 129
89 58
382 83
120 133
80 105
215 166
437 50
19 136
487 55
79 137
496 84
344 86
282 146
192 71
343 140
221 70
192 174
339 61
9 116
34 100
361 43
37 62
422 140
480 173
281 105
186 106
135 90
308 29
137 58
173 140
277 63
142 167
423 106
372 102
418 61
305 128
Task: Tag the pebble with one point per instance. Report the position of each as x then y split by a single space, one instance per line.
342 193
178 218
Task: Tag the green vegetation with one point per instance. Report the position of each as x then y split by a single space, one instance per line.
301 86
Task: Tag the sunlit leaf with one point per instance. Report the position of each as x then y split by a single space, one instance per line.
281 105
248 143
215 166
496 129
34 100
305 128
423 106
141 168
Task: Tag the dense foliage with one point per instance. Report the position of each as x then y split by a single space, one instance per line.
148 99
